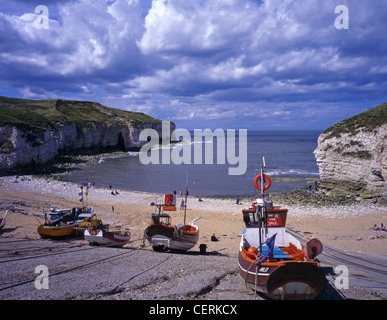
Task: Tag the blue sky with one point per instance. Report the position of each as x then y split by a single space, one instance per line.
243 64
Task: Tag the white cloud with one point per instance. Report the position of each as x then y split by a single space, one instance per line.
192 27
205 60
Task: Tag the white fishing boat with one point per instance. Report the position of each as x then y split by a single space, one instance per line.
270 260
97 233
107 238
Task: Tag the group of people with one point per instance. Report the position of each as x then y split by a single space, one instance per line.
376 228
113 193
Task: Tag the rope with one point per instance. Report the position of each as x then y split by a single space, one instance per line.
257 258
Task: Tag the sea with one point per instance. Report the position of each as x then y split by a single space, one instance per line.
287 155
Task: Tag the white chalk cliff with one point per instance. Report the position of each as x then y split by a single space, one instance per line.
23 144
354 151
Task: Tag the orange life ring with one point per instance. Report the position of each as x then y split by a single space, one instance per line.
256 184
252 252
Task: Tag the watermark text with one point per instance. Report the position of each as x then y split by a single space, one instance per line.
181 153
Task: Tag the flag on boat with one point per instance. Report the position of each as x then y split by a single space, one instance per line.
270 249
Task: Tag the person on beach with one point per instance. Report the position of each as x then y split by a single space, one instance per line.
112 209
237 200
182 204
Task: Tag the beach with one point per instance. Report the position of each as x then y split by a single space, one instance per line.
346 227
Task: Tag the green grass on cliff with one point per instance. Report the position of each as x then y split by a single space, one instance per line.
40 114
367 120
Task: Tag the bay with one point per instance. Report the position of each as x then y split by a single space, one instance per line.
288 155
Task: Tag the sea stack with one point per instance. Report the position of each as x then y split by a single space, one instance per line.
353 152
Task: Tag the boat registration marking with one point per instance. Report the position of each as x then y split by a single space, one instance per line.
251 272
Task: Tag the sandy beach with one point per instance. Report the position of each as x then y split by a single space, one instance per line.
345 227
138 273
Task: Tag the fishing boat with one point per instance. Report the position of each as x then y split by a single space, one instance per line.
162 235
3 220
273 262
59 231
106 238
97 233
60 223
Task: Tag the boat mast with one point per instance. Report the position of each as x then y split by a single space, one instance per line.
262 211
186 195
82 195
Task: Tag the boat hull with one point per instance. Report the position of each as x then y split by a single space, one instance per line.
283 280
163 237
106 238
56 232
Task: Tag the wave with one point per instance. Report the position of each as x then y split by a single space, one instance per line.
176 144
129 154
292 172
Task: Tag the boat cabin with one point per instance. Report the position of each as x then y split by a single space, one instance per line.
55 215
274 216
161 218
273 222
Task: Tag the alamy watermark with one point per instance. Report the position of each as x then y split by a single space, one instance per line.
42 19
181 153
41 281
342 277
342 20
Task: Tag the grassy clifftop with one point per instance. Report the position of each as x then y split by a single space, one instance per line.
39 114
367 120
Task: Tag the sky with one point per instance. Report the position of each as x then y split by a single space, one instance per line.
230 64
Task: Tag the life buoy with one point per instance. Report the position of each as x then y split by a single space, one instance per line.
252 252
257 185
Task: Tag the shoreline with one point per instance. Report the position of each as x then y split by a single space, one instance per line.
295 200
299 189
347 227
